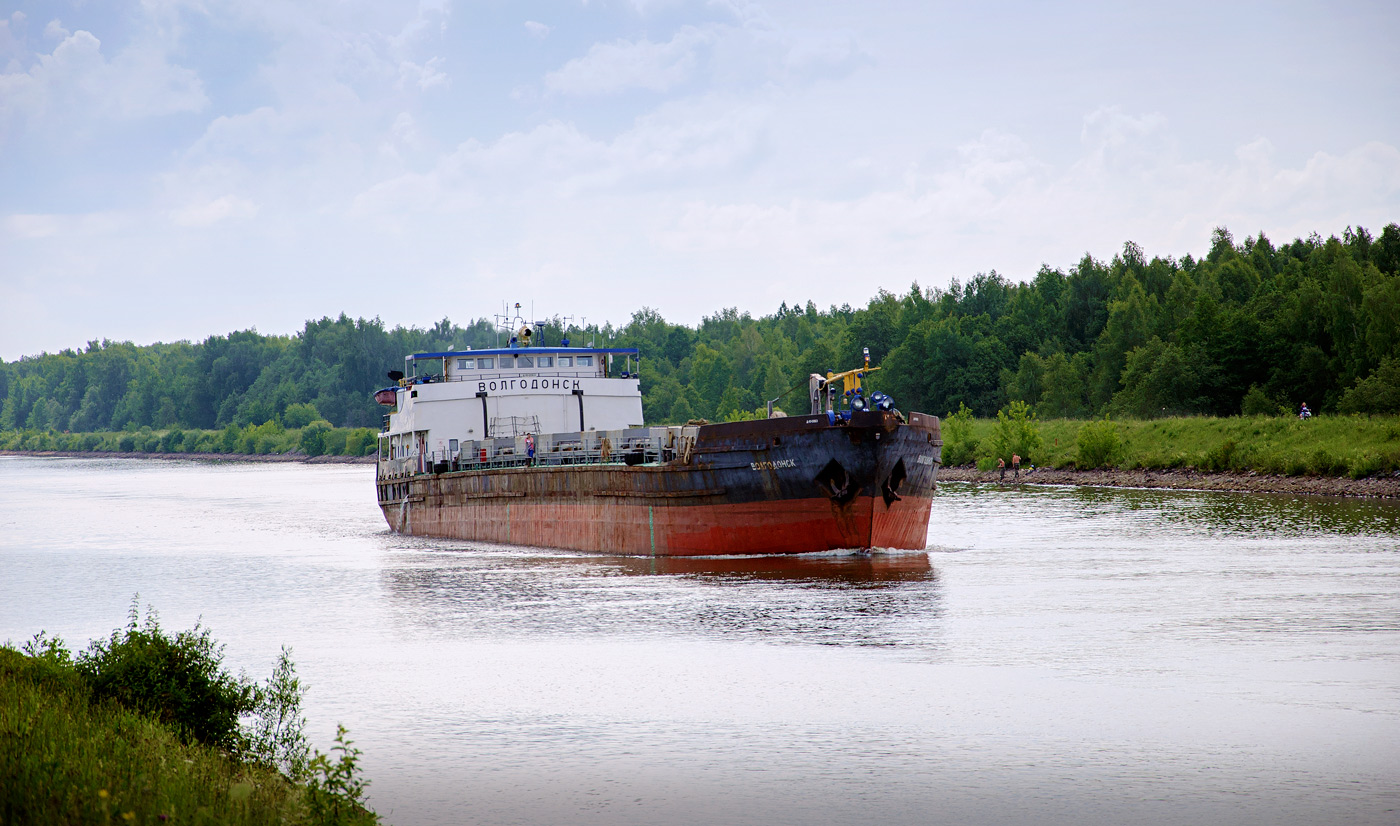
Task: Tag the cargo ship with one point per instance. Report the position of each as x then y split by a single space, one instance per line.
545 446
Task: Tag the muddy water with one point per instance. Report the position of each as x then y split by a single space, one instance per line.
1057 656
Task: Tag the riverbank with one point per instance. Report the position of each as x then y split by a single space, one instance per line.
198 457
1227 481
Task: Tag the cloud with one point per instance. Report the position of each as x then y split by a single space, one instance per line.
76 82
212 212
424 76
614 67
535 29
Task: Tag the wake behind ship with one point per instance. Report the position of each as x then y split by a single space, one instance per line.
545 446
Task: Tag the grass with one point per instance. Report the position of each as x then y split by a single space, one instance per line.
1355 446
68 757
64 759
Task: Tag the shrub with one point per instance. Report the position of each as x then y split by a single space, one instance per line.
335 442
1220 457
1361 465
1099 445
1324 463
362 441
300 414
278 737
1017 431
176 680
313 438
959 445
1259 403
335 793
172 441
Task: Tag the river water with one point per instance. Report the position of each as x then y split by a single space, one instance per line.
1057 656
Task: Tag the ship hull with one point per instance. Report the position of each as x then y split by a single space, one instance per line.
774 486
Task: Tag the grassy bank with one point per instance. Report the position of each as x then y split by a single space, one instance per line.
316 439
66 759
1354 446
146 727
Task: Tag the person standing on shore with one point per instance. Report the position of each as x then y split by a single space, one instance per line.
1001 466
1015 466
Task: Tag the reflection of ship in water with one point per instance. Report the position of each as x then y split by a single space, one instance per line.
876 599
846 568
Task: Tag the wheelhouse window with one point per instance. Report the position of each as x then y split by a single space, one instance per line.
507 362
466 364
525 361
585 361
566 361
486 364
545 361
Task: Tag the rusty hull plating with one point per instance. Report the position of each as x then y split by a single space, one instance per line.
784 485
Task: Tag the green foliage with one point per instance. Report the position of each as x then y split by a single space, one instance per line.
300 414
335 793
1017 432
1377 393
176 680
1259 403
278 736
106 738
66 758
959 445
1099 445
313 438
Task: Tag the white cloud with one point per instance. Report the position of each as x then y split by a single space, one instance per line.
76 82
536 29
55 31
424 76
623 64
212 212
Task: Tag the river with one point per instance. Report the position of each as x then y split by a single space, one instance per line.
1057 656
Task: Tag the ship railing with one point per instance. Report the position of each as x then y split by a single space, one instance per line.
630 446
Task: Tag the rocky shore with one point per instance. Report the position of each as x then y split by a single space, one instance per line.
1372 488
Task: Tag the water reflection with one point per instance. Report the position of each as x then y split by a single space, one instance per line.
848 569
879 599
1213 512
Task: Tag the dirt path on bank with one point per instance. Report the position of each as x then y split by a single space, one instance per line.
1373 488
199 457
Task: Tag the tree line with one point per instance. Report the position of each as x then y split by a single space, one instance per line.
1250 327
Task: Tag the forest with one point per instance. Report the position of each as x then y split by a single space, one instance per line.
1251 327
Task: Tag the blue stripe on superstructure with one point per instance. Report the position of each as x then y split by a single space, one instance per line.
517 351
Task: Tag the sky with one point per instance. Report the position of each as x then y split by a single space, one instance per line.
174 169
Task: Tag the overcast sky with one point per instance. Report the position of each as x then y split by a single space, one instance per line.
171 169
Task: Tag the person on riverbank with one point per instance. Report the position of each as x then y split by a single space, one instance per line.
1015 466
1305 413
1001 466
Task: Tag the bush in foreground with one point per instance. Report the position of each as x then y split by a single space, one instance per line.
137 729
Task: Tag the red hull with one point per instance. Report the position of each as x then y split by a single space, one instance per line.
787 526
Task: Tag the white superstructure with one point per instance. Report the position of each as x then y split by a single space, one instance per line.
470 405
